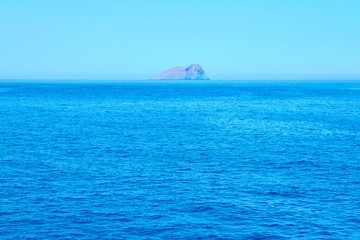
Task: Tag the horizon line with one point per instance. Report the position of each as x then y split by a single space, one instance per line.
200 80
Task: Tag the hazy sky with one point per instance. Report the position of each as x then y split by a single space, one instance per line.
136 39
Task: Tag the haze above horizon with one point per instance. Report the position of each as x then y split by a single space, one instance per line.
137 39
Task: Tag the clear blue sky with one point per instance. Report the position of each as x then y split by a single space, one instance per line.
136 39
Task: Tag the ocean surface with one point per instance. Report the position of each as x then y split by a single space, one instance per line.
180 160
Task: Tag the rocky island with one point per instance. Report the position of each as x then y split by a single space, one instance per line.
189 72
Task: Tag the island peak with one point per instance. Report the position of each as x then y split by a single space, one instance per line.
189 72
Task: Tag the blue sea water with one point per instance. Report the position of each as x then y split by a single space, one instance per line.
180 160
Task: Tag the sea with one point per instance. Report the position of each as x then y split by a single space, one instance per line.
179 159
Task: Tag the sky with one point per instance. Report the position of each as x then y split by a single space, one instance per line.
137 39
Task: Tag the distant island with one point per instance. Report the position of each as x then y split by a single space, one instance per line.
189 72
